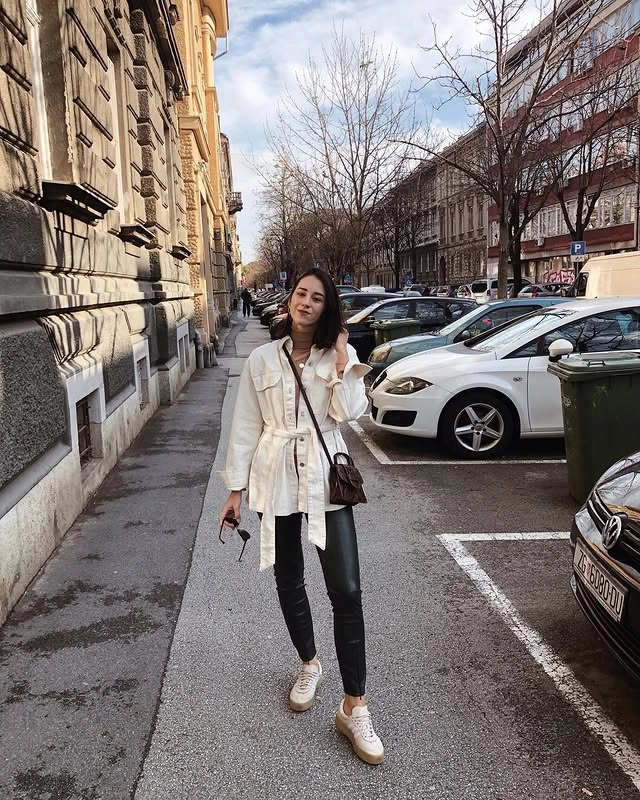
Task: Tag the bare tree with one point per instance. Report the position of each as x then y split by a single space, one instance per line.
502 81
339 134
594 145
398 223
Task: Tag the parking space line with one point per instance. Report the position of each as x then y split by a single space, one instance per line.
506 537
382 458
375 451
613 739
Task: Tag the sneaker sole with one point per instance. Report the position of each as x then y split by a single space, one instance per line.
307 705
370 758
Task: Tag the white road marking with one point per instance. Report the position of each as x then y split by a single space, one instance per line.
507 537
378 453
613 739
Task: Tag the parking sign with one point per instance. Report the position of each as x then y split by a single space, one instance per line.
578 248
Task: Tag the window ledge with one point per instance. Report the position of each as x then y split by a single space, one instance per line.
75 200
180 252
137 235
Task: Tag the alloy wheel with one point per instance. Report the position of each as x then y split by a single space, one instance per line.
478 427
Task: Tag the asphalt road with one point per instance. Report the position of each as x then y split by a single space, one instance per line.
485 681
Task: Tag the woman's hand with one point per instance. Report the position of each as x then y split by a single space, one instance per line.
231 509
342 356
341 342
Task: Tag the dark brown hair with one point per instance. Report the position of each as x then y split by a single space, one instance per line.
330 323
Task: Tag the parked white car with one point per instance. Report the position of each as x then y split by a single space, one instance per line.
478 396
482 290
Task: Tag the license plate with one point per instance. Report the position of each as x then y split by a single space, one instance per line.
603 586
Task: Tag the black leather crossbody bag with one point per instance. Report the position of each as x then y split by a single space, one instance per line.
345 480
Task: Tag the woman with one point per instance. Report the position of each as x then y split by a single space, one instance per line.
274 454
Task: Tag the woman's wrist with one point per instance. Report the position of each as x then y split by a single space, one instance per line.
341 364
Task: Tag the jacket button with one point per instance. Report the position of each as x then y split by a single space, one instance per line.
301 439
302 463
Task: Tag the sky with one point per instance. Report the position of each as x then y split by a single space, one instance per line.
270 41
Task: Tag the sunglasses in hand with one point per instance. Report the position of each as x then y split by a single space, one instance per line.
244 535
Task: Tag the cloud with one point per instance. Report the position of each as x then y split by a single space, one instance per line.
270 43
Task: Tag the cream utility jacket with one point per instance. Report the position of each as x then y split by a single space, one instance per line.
277 455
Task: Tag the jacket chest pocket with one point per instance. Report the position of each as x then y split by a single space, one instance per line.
268 389
266 380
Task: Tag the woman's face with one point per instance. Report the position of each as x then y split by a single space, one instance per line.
307 302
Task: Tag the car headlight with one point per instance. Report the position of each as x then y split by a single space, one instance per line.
407 386
380 354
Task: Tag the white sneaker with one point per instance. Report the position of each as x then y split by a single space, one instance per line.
359 729
303 694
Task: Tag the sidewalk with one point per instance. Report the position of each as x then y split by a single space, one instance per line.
82 655
146 663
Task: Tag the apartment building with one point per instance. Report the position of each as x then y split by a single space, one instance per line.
589 141
462 209
402 243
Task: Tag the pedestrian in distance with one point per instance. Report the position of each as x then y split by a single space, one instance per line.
276 456
246 302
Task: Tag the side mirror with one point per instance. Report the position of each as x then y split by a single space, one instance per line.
463 336
559 348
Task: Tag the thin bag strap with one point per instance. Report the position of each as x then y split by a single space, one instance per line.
306 400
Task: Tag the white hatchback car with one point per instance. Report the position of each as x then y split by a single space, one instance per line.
478 396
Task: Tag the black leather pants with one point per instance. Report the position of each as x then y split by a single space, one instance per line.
341 570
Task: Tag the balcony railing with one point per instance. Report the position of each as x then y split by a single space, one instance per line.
235 202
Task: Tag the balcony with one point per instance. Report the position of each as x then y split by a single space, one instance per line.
234 202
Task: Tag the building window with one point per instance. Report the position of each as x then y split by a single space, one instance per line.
171 194
120 157
33 32
84 431
143 381
183 352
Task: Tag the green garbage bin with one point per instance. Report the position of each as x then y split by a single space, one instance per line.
600 394
388 329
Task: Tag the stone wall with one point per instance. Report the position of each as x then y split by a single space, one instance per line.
94 282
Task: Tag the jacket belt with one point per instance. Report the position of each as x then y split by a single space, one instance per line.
315 492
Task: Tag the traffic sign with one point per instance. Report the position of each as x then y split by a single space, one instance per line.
408 279
578 248
348 279
283 277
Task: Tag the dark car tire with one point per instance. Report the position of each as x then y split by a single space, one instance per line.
488 407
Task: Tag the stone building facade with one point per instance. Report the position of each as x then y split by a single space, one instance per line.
462 210
402 245
431 227
97 318
210 199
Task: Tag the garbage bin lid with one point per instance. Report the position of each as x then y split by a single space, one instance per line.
588 366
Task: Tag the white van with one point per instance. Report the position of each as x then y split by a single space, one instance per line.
483 290
617 275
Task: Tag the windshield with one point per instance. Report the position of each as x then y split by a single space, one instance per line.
365 311
521 327
470 312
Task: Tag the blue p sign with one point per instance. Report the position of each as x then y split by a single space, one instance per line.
578 248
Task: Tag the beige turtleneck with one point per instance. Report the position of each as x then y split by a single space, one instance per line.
302 344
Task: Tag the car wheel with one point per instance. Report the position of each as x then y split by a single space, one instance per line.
477 425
